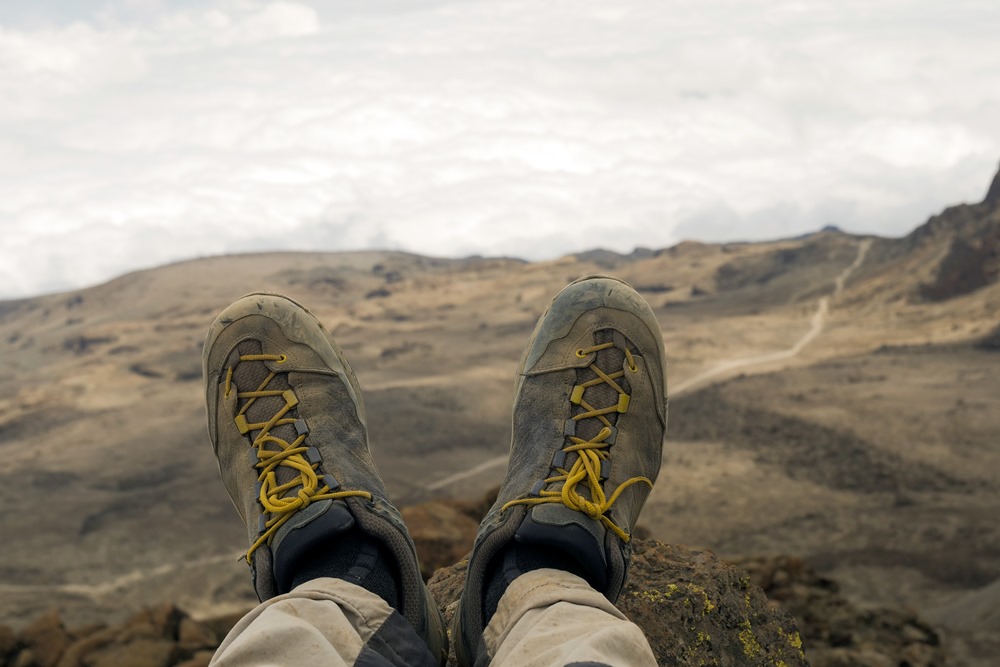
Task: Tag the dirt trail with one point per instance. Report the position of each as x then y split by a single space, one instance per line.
817 324
474 470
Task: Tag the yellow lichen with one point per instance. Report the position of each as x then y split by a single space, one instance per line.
656 596
751 647
794 640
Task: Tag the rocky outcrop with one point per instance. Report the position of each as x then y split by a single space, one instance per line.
972 237
993 194
954 254
694 608
970 264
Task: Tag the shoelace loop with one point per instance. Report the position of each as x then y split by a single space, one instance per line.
308 487
590 453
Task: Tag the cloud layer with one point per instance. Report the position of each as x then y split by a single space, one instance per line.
140 132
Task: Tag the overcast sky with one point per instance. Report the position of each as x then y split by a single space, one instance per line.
137 132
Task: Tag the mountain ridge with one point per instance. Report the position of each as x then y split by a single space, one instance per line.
966 219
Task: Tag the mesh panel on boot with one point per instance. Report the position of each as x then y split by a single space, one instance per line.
248 376
602 395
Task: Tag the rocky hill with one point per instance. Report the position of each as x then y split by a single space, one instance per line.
954 254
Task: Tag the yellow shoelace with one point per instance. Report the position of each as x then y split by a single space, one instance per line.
289 454
590 453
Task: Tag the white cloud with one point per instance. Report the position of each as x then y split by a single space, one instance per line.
281 19
149 131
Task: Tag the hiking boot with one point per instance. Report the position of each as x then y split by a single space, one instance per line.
590 411
289 431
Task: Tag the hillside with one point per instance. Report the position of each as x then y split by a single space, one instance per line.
836 406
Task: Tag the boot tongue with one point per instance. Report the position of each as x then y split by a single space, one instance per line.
572 533
310 528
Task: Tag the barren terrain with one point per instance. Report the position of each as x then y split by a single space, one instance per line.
835 398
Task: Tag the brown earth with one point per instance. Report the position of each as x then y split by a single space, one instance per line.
868 450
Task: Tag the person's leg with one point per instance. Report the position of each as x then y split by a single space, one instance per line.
289 430
549 618
590 413
324 622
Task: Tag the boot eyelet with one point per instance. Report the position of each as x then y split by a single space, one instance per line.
580 353
281 359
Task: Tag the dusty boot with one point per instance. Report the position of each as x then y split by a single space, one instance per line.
589 418
288 426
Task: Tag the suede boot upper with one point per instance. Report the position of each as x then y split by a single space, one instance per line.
590 412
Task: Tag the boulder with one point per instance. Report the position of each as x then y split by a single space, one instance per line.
46 638
443 530
442 533
694 608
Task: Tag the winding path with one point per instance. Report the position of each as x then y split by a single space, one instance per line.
817 324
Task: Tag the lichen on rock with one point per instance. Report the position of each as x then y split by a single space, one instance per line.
695 609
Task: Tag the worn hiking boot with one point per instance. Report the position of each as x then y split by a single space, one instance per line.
289 430
589 418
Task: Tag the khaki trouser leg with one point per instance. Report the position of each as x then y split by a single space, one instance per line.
545 618
553 618
321 622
